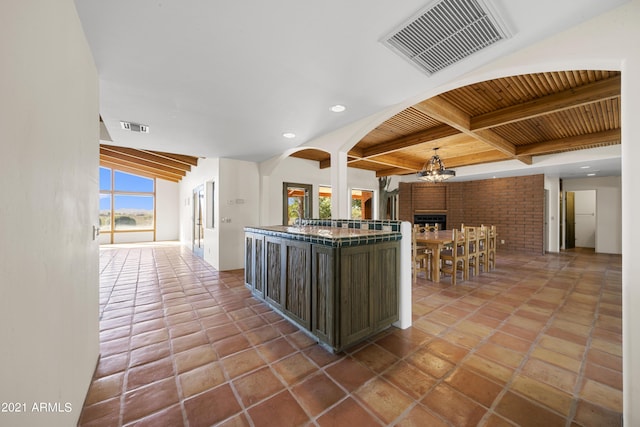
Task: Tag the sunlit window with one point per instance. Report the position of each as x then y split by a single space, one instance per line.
127 201
324 201
361 204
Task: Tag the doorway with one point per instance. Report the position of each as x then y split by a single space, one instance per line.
296 200
361 204
198 221
581 219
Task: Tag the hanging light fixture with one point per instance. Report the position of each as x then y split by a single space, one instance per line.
434 170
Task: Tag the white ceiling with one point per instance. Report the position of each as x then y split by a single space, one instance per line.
227 78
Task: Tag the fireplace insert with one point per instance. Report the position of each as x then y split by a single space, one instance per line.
431 219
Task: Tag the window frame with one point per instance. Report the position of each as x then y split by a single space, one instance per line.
113 192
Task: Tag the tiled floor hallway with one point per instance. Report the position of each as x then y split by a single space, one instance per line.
535 342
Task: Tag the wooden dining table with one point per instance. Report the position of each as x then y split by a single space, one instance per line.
435 240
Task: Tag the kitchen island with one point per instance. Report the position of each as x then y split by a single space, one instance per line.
338 280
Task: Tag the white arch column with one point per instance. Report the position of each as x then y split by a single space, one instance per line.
340 197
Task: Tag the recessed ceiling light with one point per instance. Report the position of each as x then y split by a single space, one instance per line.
585 167
591 174
289 135
338 108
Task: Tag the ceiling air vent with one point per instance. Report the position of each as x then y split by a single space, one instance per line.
446 32
135 127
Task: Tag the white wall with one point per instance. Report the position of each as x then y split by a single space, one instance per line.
206 171
49 191
608 237
622 35
235 204
239 200
239 197
167 210
552 185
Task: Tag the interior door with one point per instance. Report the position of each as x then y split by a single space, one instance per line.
198 221
570 238
585 218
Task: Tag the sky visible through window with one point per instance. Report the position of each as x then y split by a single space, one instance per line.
132 197
128 183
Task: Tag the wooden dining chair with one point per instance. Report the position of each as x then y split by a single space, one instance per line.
482 251
452 260
420 255
491 247
471 254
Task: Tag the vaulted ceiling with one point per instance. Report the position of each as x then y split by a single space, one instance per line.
510 118
228 79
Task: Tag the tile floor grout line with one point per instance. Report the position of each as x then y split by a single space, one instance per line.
186 270
125 379
230 381
583 363
528 355
172 354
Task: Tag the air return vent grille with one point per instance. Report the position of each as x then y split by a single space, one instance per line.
134 127
446 32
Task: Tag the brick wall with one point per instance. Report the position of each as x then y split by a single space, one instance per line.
405 201
514 205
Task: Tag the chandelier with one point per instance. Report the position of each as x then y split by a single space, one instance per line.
434 170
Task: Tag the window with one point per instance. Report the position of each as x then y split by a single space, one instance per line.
361 204
324 202
127 202
296 202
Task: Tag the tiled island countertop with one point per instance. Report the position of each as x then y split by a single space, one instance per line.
328 235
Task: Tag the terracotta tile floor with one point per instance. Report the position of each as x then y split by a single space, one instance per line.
536 341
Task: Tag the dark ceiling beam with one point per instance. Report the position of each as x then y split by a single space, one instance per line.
571 98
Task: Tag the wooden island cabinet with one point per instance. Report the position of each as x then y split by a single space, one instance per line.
338 282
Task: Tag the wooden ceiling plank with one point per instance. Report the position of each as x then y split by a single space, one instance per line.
527 160
571 98
429 135
138 160
392 171
147 156
448 113
189 160
445 112
356 152
138 171
390 160
133 160
570 143
137 166
475 158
